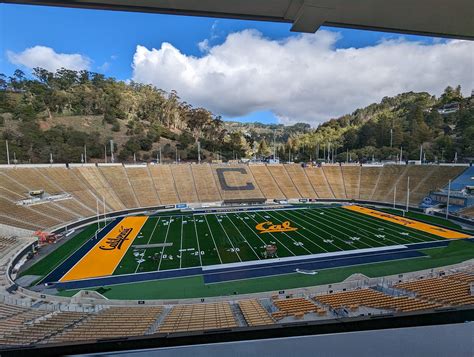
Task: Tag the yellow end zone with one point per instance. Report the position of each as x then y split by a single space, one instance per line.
428 228
104 257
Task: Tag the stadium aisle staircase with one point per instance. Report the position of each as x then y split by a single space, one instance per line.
368 180
142 185
164 183
283 181
300 180
265 182
254 313
184 183
99 184
351 175
206 186
118 181
334 177
319 182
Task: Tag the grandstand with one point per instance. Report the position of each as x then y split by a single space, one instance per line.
133 186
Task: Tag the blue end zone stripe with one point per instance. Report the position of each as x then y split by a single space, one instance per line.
66 265
129 278
290 267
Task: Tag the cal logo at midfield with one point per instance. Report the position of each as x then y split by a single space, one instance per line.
269 227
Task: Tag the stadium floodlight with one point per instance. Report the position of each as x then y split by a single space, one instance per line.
8 153
408 192
394 195
112 159
199 151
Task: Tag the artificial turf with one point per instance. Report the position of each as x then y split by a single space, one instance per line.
191 240
193 287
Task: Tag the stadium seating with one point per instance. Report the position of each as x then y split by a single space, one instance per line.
142 185
284 182
206 186
39 329
265 182
254 313
198 317
296 307
369 177
109 323
335 179
468 212
371 298
164 183
239 180
99 185
70 183
351 175
119 182
449 290
319 182
387 181
23 215
300 180
184 183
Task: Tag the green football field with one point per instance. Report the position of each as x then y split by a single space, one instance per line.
183 240
192 240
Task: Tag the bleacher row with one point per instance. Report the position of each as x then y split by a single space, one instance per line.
21 325
122 187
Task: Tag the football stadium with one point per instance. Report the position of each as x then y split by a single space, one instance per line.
245 245
132 221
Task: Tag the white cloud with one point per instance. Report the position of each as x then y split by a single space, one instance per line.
47 58
305 77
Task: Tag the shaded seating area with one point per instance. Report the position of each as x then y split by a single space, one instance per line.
111 322
37 330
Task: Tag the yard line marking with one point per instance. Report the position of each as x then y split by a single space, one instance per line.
367 230
251 230
245 240
271 235
333 236
163 249
197 240
181 246
376 225
149 239
298 232
323 218
413 233
212 236
314 233
339 219
225 232
302 246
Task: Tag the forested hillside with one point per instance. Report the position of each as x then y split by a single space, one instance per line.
60 113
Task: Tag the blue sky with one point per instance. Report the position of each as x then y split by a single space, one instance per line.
111 38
